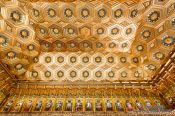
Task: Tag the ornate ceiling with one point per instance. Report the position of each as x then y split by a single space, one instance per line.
86 41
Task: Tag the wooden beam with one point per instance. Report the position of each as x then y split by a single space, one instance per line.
7 71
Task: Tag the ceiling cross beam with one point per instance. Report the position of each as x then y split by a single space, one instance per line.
13 78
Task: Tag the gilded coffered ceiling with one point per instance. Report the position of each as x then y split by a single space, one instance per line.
86 41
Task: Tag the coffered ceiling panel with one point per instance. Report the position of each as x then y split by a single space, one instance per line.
86 40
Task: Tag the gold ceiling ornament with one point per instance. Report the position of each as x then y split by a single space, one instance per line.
130 2
86 40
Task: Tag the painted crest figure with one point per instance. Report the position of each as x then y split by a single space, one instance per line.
38 105
98 105
8 106
69 105
89 106
48 105
79 106
18 105
58 106
108 105
28 105
118 106
171 103
139 105
129 106
148 106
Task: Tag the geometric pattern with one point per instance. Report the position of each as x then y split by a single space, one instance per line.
123 41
